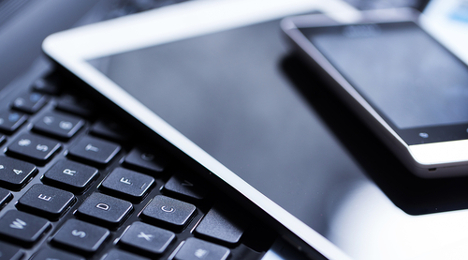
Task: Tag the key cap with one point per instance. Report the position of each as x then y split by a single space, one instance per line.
105 209
222 224
109 130
9 252
30 102
115 254
70 104
15 173
198 249
93 150
45 200
22 227
144 237
58 125
81 236
54 254
69 175
169 211
5 197
10 121
145 159
48 85
128 184
34 148
183 187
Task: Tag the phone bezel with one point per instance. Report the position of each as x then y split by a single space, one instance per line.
72 48
429 160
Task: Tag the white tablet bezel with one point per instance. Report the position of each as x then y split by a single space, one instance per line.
74 47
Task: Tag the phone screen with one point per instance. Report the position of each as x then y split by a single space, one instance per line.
408 77
228 93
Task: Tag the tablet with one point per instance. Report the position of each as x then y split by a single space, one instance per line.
213 79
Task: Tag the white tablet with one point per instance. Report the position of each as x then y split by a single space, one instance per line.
209 77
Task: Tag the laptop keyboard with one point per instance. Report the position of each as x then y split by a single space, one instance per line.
75 185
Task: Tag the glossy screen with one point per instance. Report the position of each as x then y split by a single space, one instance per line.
409 78
232 93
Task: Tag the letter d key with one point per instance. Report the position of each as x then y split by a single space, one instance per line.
103 206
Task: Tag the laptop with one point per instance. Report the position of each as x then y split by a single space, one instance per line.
35 94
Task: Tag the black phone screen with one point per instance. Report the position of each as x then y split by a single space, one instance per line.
406 75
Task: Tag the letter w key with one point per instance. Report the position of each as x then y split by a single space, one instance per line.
18 224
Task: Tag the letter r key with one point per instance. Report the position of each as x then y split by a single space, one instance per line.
69 172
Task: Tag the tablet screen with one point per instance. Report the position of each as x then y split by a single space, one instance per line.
228 93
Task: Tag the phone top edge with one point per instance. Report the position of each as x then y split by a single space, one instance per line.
382 16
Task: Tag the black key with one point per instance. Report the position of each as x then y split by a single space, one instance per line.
34 148
54 254
170 211
144 237
81 236
115 254
5 197
128 184
9 252
10 121
198 249
58 125
74 106
93 150
45 200
109 130
222 224
183 187
145 159
70 175
47 85
23 227
15 173
105 209
30 102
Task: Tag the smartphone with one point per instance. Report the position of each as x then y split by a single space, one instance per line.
405 85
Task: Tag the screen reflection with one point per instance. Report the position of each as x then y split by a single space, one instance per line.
367 225
267 117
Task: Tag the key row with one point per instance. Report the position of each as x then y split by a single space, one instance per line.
53 123
75 177
56 123
139 238
220 223
86 239
105 210
40 150
51 203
